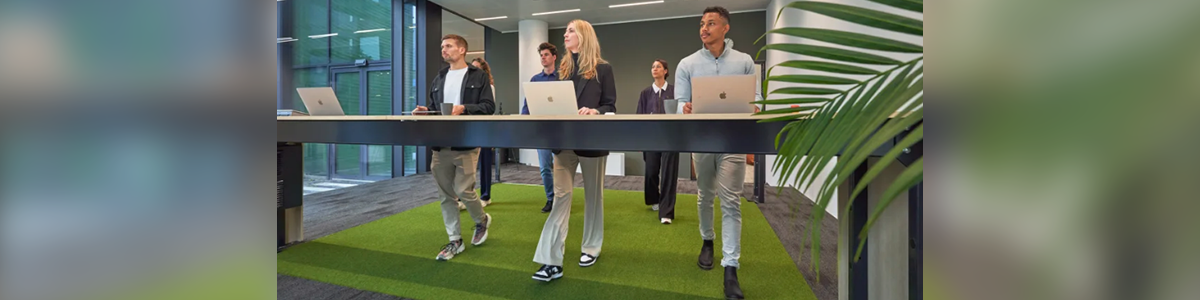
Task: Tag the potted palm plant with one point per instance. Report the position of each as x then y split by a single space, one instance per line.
838 113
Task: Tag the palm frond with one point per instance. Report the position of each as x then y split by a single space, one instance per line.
855 118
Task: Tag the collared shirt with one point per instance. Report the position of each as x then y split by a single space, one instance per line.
658 89
540 76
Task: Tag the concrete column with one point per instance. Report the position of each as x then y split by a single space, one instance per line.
530 34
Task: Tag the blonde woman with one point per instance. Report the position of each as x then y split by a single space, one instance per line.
596 93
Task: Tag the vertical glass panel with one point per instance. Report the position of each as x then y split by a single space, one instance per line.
410 54
348 161
347 87
364 30
410 160
316 159
347 91
379 160
379 92
379 102
310 20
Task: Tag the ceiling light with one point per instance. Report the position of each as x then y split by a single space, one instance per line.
635 4
322 35
285 40
475 52
489 19
370 30
556 12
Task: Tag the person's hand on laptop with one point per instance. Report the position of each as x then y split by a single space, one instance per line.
687 108
420 108
458 110
588 111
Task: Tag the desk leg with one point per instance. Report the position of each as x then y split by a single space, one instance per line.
857 286
916 260
289 194
760 178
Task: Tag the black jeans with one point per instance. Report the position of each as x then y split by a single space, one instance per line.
661 191
487 158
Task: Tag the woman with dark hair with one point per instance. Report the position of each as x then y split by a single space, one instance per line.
487 157
660 193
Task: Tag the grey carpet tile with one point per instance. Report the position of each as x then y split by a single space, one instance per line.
288 287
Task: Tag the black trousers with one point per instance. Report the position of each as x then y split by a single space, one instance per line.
487 160
662 174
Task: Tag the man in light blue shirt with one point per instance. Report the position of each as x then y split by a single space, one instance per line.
718 175
549 55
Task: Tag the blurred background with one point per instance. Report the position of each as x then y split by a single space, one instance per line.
135 149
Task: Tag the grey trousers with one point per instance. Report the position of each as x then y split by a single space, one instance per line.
552 243
454 172
722 176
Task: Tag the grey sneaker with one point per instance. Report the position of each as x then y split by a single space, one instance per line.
451 249
481 230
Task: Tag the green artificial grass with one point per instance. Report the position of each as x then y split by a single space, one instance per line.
641 258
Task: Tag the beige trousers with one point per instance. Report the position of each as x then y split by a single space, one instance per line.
454 172
551 246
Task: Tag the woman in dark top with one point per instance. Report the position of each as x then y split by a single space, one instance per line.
487 156
660 193
595 93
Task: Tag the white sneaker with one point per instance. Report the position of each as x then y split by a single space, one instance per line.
654 207
461 206
666 220
485 202
587 260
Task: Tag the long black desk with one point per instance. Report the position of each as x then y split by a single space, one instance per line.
712 133
704 133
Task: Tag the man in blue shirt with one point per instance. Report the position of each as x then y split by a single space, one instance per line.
718 175
549 55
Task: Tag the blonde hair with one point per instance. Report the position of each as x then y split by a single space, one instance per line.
589 53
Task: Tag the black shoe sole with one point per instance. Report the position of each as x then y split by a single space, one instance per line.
703 267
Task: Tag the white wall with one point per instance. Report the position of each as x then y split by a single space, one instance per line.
793 18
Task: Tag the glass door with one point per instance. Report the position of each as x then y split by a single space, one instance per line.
362 91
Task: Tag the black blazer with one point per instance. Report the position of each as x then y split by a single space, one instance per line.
476 95
599 93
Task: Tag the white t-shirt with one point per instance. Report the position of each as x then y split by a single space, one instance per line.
452 90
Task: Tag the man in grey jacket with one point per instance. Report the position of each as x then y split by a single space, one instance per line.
718 175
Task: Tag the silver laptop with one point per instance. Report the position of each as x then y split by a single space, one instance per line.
551 98
723 94
320 101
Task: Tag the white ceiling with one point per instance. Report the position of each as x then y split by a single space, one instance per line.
594 11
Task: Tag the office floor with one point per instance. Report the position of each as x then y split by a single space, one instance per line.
332 211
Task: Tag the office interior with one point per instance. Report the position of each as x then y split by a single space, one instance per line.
379 57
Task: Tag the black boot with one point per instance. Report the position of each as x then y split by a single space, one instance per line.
733 290
706 255
549 205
